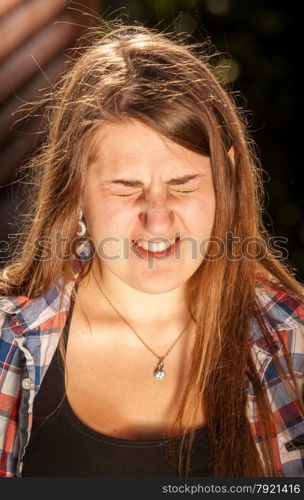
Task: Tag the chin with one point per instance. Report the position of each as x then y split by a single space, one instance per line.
156 286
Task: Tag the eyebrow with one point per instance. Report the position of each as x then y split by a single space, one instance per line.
176 181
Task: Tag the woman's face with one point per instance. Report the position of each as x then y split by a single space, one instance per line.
142 186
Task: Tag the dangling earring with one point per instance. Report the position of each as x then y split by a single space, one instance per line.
84 248
82 226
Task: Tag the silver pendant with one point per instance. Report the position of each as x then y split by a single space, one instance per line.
159 372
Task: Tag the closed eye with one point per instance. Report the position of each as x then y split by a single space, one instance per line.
191 191
130 194
187 191
125 194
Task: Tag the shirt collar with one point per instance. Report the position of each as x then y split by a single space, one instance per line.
26 314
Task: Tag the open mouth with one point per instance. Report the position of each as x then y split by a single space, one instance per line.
165 252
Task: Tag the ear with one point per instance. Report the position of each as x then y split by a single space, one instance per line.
231 154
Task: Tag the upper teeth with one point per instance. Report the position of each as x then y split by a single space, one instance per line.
155 247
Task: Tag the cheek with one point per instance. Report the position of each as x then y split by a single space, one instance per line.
199 213
106 218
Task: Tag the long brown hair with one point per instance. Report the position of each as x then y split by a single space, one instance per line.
169 84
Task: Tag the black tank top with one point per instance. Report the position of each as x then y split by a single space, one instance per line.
61 445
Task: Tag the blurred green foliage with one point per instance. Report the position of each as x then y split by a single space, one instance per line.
259 38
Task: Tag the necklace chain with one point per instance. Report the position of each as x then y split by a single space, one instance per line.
161 358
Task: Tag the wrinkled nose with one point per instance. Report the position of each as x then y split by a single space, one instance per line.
157 217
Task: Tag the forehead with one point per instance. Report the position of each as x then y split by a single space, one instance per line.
133 148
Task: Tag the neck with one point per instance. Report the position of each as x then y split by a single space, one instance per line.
134 305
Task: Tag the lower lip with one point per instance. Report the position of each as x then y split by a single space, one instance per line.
162 254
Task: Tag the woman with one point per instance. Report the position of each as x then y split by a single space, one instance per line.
125 357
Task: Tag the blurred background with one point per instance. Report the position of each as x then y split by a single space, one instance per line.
260 53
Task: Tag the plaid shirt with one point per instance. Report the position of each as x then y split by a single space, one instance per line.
30 331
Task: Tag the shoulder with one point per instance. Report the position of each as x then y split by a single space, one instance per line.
23 315
30 330
283 307
282 312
